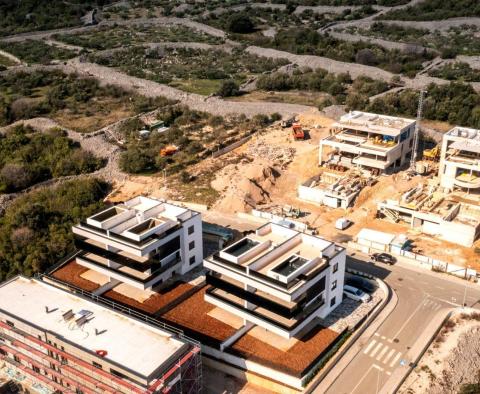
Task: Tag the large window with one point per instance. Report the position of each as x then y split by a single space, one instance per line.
335 267
168 248
191 245
191 230
332 301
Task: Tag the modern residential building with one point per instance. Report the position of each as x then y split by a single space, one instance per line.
460 159
52 340
141 242
377 143
277 278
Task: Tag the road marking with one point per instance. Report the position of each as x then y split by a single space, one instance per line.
361 380
397 356
408 320
378 367
383 337
370 345
377 334
376 350
385 360
382 353
440 287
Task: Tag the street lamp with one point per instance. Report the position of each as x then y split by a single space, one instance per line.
465 292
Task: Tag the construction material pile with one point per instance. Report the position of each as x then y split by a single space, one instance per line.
274 154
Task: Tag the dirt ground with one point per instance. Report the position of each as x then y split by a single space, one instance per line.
71 273
451 361
266 172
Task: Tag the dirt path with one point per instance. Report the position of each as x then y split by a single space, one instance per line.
11 57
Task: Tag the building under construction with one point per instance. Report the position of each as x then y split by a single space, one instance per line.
375 143
333 188
52 340
428 208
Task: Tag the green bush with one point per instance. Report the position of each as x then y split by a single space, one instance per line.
35 231
228 88
240 23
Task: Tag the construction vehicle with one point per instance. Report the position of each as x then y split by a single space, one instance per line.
291 212
297 132
287 122
432 154
169 150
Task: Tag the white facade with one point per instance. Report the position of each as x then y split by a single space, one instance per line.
460 159
141 242
277 278
377 143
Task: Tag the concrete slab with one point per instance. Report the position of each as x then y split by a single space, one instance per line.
226 317
95 277
134 293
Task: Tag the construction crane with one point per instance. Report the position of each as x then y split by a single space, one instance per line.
416 133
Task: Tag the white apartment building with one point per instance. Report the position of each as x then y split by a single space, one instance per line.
377 143
277 278
141 242
460 159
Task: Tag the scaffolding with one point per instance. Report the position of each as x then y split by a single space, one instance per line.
183 376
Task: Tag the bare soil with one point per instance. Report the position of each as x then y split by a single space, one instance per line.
70 273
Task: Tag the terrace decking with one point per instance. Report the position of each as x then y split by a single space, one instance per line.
71 273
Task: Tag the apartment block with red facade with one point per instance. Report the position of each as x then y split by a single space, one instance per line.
63 342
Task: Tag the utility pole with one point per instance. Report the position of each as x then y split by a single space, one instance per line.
416 133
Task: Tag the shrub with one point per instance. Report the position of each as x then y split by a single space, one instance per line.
240 23
228 88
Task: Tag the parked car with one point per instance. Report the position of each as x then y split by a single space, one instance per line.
360 283
356 294
384 258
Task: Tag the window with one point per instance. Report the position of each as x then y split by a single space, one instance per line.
10 323
96 365
16 358
335 267
191 230
118 374
192 260
191 245
3 352
332 301
334 285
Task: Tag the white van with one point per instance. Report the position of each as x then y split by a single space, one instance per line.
342 223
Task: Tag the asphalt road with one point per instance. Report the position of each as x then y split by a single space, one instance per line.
421 294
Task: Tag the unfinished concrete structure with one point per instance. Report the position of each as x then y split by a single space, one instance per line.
52 340
277 278
141 243
377 143
434 212
460 160
333 189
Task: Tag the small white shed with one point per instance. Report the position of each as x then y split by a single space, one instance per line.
375 239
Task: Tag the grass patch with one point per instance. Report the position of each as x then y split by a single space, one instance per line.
457 71
200 86
77 103
109 37
35 51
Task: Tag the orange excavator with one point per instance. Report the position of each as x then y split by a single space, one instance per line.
297 132
169 150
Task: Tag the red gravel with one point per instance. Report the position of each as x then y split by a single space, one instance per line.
70 273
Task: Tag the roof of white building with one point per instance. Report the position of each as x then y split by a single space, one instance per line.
382 124
132 344
465 139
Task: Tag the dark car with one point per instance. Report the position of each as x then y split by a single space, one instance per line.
384 258
360 283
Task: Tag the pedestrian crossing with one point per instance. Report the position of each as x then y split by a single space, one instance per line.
430 304
382 352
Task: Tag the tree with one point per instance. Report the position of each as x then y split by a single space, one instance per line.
228 88
240 23
366 56
15 177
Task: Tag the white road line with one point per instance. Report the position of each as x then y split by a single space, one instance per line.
377 367
388 373
383 337
376 334
382 353
408 320
379 346
361 380
369 346
395 359
385 360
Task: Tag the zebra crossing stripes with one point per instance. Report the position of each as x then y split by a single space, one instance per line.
382 352
432 304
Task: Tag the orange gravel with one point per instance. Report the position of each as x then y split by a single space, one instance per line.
153 303
70 273
294 361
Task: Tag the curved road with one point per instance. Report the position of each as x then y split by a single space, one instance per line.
421 295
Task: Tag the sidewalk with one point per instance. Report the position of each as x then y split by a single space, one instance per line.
356 346
416 352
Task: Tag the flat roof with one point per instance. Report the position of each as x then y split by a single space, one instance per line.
133 345
382 124
464 132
